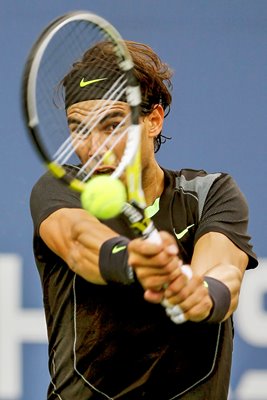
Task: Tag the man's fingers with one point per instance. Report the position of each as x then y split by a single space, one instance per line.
192 300
153 296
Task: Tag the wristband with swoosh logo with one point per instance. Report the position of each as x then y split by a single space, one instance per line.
113 261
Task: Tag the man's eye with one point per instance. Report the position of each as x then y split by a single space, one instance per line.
80 129
115 127
111 127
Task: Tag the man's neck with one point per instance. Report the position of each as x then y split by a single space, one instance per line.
153 183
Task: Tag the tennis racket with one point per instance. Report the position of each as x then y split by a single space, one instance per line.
56 78
78 57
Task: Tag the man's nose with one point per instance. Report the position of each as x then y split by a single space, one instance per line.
96 140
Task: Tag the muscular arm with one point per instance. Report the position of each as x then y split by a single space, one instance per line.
76 236
218 257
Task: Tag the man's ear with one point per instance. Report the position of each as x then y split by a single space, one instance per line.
155 121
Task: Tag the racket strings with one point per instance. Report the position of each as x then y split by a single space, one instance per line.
68 148
67 46
65 51
81 132
99 156
89 123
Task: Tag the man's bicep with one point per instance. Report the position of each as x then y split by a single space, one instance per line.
55 231
226 212
217 257
215 248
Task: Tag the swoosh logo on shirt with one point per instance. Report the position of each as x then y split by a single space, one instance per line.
84 83
184 232
153 209
116 249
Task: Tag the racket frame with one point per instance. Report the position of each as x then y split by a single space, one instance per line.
130 161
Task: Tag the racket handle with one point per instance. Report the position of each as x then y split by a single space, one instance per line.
154 236
187 270
174 312
136 215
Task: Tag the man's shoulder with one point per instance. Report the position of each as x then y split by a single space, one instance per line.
194 180
191 173
47 178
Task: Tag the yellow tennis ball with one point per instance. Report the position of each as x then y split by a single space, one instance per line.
104 197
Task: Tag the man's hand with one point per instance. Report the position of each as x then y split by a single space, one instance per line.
155 265
158 269
192 297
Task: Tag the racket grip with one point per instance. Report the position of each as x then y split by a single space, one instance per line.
154 236
174 312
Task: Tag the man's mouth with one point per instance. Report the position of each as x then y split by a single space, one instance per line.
104 170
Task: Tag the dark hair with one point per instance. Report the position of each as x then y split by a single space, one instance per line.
154 77
152 74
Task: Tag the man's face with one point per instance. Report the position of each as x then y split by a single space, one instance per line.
95 125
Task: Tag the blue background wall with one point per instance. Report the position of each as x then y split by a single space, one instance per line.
218 51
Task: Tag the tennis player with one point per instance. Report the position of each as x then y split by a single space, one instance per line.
124 321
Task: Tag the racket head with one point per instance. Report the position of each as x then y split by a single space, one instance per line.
47 94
